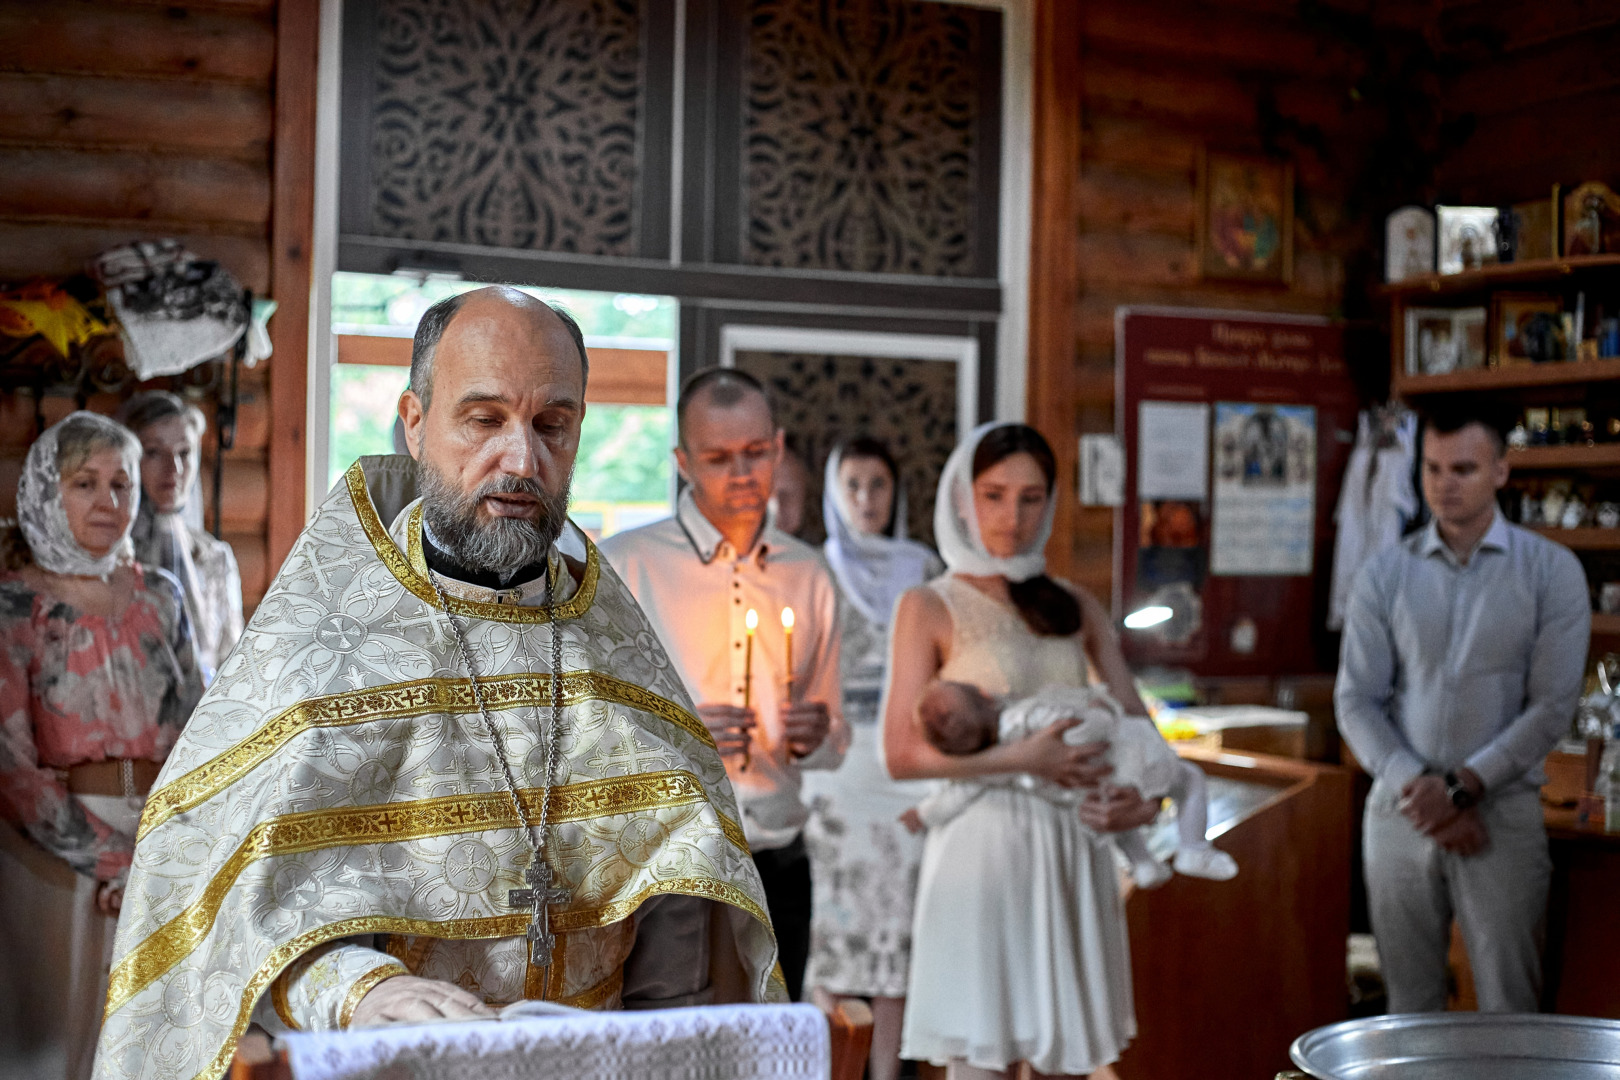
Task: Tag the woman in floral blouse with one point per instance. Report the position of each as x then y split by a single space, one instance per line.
97 677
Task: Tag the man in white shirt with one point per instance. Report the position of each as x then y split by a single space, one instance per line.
1464 648
697 575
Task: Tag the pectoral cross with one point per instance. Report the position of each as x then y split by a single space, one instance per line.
539 894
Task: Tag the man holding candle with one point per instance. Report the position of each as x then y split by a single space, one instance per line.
768 694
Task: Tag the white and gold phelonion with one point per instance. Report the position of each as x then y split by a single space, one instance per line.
538 874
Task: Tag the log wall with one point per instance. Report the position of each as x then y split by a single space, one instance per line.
1128 94
124 120
1536 86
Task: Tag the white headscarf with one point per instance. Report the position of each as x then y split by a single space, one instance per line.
872 571
956 525
39 502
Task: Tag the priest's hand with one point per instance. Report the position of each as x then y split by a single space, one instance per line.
410 999
1047 756
729 726
805 725
1115 809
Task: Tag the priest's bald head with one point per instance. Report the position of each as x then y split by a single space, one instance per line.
492 417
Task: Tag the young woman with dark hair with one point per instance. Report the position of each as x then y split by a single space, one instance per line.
1018 950
1048 608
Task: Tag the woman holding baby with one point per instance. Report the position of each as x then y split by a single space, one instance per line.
1019 951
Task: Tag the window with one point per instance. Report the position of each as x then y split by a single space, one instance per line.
623 475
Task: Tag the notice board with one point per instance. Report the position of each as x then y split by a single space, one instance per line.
1236 428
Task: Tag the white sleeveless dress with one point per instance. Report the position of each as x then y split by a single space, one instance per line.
1018 949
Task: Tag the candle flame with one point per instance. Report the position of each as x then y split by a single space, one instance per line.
751 620
787 618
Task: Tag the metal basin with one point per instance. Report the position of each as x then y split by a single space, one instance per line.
1462 1046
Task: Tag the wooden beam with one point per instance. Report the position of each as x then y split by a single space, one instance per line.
628 377
51 246
1206 34
373 349
214 119
618 376
171 40
99 186
292 222
1054 283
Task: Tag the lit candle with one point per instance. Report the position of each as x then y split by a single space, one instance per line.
787 641
751 621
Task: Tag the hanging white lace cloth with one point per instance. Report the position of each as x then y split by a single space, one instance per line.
717 1042
1376 501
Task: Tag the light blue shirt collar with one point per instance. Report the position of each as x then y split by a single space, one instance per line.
1495 539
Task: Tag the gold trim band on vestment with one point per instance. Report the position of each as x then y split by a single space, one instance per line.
399 564
409 955
278 1001
314 830
592 997
498 926
734 833
395 701
363 986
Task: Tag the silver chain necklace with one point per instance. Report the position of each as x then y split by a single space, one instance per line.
541 893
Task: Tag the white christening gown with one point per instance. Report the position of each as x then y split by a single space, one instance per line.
1018 949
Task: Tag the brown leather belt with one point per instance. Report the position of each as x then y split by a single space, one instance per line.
116 776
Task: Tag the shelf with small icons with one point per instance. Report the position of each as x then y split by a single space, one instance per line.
1596 456
1489 277
1515 377
1584 538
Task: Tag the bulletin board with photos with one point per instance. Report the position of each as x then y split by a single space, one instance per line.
1236 428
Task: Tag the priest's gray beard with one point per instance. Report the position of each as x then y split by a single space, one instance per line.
499 546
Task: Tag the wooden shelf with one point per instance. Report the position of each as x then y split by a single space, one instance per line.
1516 377
1490 277
1602 456
1606 625
1583 539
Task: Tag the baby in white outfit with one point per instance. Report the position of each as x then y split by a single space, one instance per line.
959 719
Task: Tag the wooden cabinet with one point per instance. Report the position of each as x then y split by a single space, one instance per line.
1229 973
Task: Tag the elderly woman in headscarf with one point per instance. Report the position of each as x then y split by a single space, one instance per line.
863 860
168 532
97 678
1018 949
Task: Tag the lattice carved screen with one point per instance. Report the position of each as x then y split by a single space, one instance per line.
821 156
507 124
824 399
863 128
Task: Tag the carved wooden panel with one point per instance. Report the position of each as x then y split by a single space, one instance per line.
824 399
507 123
862 135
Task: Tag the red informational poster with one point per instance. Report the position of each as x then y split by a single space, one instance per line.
1236 428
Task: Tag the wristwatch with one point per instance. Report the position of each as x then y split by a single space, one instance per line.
1458 792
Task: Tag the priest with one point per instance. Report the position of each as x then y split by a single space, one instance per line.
449 765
